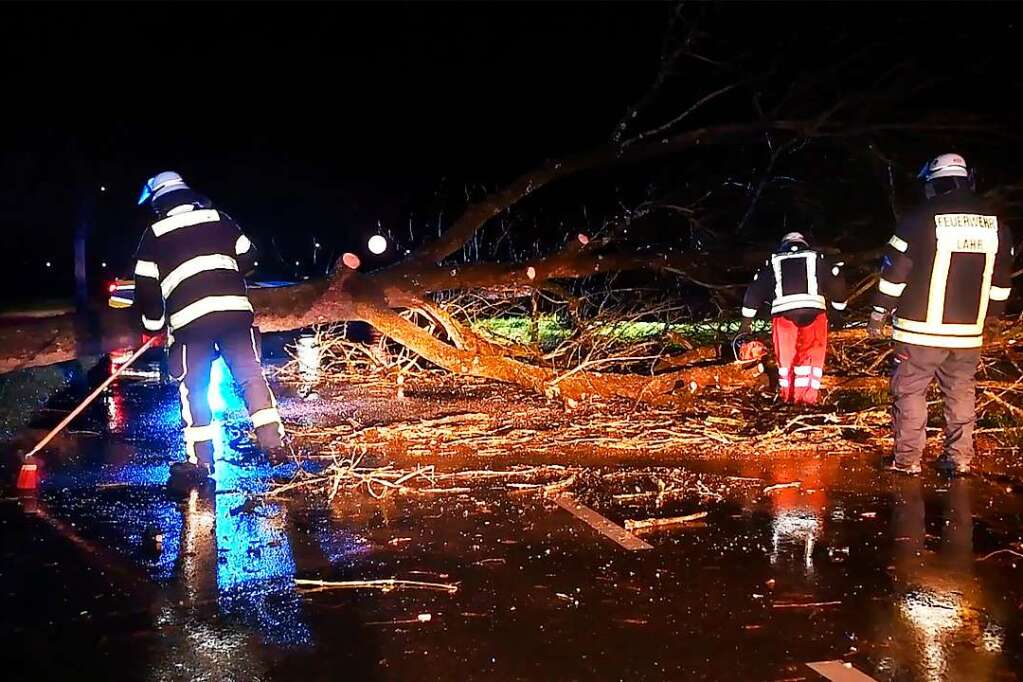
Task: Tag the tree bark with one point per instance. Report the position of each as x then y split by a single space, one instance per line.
483 361
35 342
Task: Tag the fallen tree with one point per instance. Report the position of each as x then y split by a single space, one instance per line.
349 295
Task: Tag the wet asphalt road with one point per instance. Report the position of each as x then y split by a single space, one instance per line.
882 572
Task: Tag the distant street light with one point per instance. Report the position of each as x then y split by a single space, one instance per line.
377 244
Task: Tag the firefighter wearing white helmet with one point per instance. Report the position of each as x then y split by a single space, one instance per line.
189 281
161 184
800 285
945 166
945 273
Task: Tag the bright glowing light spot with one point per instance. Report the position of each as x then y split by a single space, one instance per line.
351 260
103 264
993 638
218 378
296 262
317 245
102 188
936 615
121 356
377 244
49 264
794 528
933 611
309 359
256 264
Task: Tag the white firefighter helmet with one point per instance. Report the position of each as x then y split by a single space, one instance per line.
792 239
160 184
945 166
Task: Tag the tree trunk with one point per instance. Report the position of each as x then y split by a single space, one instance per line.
570 386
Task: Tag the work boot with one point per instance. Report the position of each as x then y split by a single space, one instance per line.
185 476
947 467
905 469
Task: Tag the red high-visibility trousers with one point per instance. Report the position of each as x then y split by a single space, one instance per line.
800 353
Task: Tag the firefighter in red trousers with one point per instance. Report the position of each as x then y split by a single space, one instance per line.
799 283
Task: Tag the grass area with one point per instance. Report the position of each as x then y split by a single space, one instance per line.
551 330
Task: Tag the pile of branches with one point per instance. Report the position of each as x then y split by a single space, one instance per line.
746 420
586 327
654 489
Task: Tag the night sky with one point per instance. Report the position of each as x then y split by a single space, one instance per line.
317 122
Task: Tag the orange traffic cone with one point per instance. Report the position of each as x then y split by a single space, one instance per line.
28 477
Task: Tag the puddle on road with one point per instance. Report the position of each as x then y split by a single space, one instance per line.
852 564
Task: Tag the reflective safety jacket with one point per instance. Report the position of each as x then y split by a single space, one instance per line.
947 268
797 283
190 271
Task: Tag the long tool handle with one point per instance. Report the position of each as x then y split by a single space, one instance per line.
92 396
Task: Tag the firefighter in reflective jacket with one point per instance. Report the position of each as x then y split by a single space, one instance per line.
190 281
799 283
947 270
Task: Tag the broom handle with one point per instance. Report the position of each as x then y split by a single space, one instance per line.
92 396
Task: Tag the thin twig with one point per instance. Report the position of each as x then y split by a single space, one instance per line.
384 585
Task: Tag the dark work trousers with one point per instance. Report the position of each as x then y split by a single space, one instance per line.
190 364
915 368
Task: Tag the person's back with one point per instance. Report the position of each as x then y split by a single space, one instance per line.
949 278
190 279
191 266
797 282
945 272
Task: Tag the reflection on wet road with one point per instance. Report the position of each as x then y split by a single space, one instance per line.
940 597
115 578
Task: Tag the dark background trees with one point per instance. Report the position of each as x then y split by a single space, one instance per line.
324 124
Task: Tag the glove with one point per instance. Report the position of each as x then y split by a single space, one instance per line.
746 327
875 325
